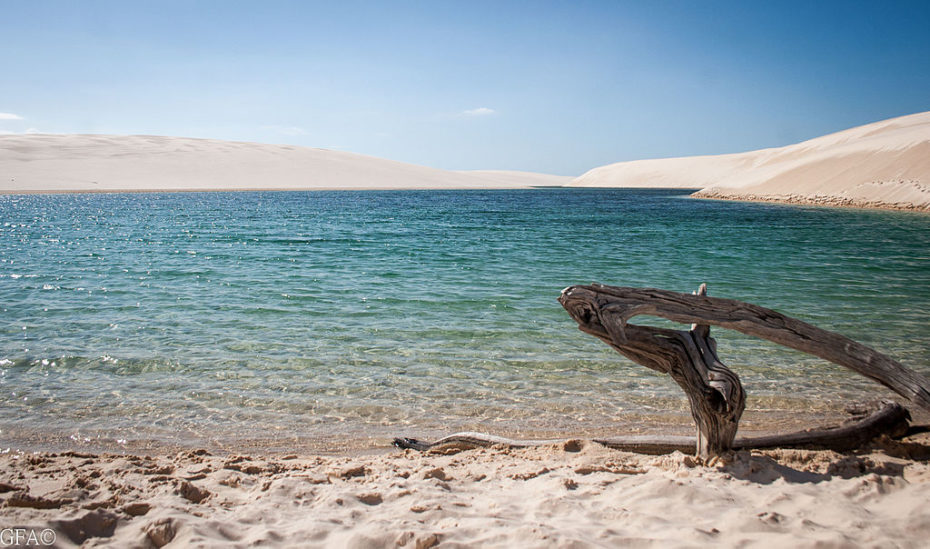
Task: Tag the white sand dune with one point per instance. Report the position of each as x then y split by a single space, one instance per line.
88 163
884 164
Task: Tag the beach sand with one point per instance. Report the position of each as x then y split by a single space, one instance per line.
573 494
885 164
109 163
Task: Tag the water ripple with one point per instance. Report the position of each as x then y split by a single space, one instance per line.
192 318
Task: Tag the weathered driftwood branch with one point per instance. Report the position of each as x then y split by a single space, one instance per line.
889 418
751 320
714 392
689 357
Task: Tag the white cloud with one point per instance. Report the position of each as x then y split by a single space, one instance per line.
480 111
27 131
287 130
9 116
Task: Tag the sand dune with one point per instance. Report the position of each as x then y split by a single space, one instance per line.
884 164
82 163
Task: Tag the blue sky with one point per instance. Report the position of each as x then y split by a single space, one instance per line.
558 87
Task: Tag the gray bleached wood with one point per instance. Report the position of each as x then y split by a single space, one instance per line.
621 304
605 311
887 418
714 392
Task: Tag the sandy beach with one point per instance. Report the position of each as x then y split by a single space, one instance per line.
575 494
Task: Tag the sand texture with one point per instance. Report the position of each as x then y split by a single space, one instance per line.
884 164
107 163
574 494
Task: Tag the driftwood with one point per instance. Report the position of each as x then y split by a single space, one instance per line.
888 418
689 357
714 392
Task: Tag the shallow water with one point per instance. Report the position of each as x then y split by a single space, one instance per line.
316 318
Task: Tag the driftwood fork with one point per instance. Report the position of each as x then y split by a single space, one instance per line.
714 392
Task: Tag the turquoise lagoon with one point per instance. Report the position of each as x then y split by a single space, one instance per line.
334 320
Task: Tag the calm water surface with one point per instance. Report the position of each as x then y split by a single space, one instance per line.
341 319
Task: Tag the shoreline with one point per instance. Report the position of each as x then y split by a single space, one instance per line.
825 201
336 447
754 423
6 192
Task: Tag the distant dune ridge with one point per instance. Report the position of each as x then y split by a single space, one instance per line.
88 163
884 164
